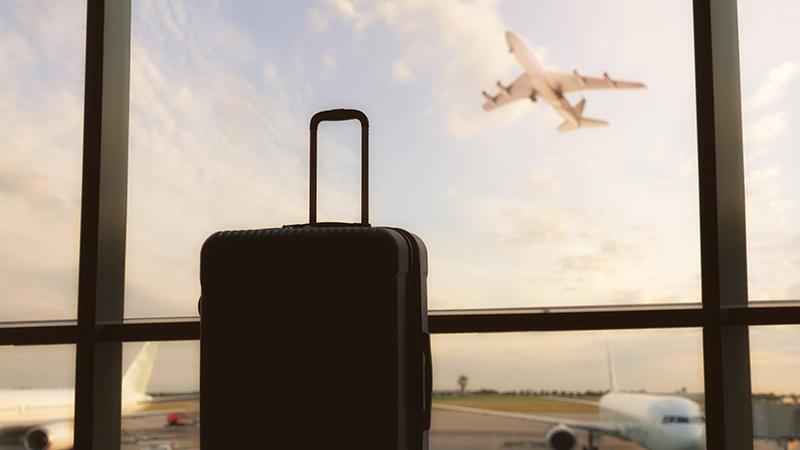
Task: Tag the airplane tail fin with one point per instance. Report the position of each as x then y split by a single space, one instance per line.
579 107
583 122
612 373
137 377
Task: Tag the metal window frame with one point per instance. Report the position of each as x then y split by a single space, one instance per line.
724 315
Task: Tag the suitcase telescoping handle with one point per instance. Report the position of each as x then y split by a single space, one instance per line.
339 115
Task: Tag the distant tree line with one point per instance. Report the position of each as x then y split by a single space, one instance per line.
521 392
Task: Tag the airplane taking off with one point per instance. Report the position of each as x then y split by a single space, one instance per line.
657 422
41 419
536 82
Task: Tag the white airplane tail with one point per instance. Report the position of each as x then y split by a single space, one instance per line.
137 377
583 122
612 373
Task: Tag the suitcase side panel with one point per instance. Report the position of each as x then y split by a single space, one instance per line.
419 374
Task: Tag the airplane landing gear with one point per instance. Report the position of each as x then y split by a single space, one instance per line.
590 443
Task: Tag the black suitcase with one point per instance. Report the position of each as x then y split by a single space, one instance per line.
315 336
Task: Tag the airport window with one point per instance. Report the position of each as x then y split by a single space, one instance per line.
170 417
770 89
167 85
553 218
41 106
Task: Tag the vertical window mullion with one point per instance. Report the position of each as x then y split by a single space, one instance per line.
722 222
103 215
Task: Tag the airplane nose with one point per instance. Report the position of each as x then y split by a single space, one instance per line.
690 437
695 438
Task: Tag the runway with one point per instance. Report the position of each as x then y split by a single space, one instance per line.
449 431
461 431
152 432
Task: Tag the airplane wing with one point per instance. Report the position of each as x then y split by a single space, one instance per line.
599 427
569 82
519 89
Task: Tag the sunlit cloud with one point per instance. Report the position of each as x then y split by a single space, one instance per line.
610 256
471 34
41 111
768 128
240 129
402 71
329 61
655 360
774 87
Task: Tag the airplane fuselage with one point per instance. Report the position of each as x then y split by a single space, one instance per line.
542 87
26 405
42 405
659 422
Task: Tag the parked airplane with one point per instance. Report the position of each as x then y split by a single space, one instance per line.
657 422
41 419
536 82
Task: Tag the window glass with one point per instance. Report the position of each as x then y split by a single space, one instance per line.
775 388
770 71
514 212
160 396
530 390
37 396
41 126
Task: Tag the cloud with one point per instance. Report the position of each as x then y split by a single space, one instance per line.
402 71
320 17
774 87
211 148
41 128
348 10
655 360
329 61
317 21
773 268
768 128
31 188
463 43
535 224
611 255
542 180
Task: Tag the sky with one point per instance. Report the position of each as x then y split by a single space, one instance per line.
513 212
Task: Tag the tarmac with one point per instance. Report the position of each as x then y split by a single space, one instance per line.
462 431
450 430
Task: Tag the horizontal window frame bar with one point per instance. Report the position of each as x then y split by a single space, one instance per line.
616 319
149 331
761 316
440 322
39 335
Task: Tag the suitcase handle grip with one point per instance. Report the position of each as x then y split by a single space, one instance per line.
340 115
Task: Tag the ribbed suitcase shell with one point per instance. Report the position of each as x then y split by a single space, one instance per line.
314 337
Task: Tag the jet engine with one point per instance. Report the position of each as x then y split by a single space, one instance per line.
561 437
54 436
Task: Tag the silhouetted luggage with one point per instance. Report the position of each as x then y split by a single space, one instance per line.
315 336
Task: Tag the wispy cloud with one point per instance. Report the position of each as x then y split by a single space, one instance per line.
203 136
402 72
41 71
655 360
768 128
774 87
610 256
462 42
329 61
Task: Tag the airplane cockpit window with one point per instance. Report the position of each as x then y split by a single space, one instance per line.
683 419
